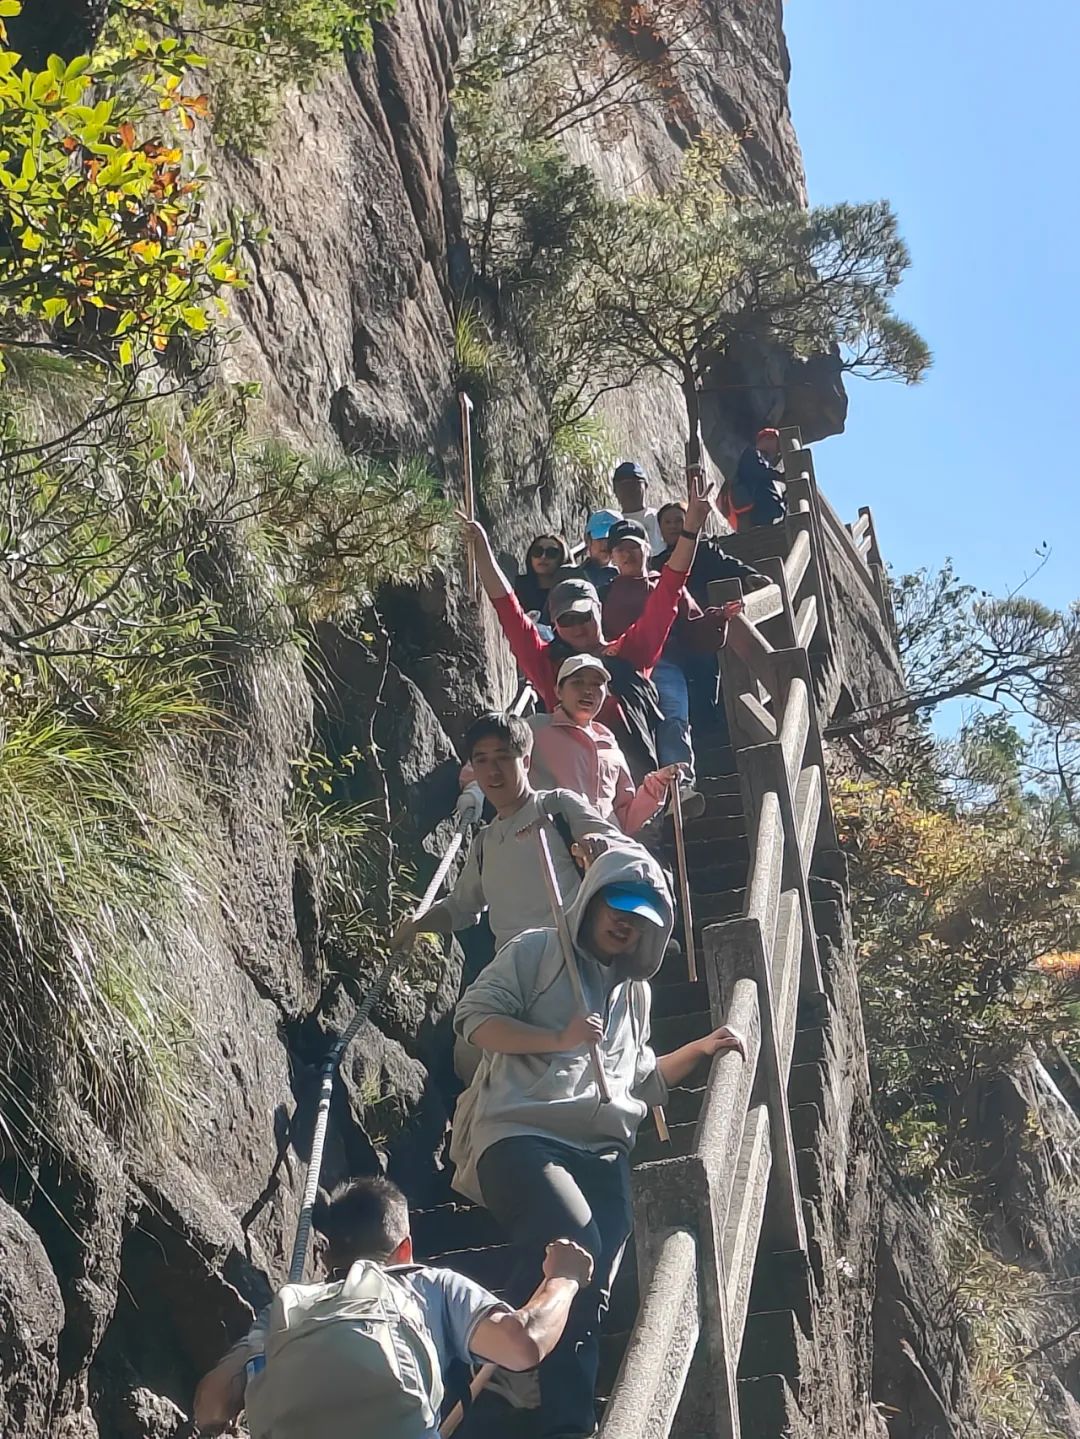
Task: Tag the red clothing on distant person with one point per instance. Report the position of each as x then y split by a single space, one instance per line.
696 630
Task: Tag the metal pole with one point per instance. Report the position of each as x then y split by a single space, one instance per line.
684 880
466 407
333 1060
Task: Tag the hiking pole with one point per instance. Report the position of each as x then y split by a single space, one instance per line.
466 406
551 879
333 1060
480 1381
684 880
662 1131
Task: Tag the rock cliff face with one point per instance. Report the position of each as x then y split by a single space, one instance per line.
126 1275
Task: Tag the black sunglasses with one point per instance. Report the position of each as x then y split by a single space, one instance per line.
545 552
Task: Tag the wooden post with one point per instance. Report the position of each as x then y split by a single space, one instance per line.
684 881
551 879
469 496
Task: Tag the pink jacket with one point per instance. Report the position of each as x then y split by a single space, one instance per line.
590 762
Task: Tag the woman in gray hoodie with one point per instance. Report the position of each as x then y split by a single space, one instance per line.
532 1140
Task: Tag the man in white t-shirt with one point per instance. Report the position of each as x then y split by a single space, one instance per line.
369 1219
629 482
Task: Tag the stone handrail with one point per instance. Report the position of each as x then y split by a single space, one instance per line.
760 967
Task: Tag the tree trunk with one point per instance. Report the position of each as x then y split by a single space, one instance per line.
693 420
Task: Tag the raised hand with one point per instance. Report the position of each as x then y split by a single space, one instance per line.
700 501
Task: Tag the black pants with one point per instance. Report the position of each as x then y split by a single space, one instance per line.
540 1190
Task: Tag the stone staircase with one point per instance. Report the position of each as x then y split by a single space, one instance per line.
467 1239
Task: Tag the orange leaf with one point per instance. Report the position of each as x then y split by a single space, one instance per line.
127 134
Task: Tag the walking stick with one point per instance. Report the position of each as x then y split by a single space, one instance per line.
551 879
466 406
333 1060
659 1118
684 880
480 1381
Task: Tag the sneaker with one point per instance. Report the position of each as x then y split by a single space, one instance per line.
521 1390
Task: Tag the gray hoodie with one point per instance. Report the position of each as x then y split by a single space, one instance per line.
555 1095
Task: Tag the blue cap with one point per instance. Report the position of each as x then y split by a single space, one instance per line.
599 522
635 899
630 470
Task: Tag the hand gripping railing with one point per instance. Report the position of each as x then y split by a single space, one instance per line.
758 967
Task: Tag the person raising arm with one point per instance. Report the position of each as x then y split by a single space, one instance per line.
578 625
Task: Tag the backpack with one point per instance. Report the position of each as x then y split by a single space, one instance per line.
728 508
346 1360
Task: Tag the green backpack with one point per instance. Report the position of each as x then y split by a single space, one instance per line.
347 1360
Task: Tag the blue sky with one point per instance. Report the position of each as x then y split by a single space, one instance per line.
964 114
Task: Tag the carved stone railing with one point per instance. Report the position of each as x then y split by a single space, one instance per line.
735 1196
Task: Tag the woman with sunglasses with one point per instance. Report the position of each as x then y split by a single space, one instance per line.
546 557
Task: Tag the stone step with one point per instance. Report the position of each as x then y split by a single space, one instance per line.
677 1030
714 760
720 876
650 1146
715 829
714 908
490 1265
720 785
721 816
704 858
453 1226
679 998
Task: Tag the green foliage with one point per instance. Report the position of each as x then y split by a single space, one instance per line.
99 212
342 527
255 48
476 356
953 915
93 862
336 837
583 453
670 283
1007 1312
1019 661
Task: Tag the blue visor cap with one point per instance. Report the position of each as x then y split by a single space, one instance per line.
636 899
599 522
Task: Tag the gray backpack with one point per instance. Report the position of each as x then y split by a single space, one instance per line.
347 1360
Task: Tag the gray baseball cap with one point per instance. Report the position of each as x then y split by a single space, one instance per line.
573 597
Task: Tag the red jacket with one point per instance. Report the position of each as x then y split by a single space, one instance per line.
696 631
641 645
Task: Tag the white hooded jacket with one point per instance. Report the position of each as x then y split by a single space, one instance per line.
555 1094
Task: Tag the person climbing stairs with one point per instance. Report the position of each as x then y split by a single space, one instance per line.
466 1238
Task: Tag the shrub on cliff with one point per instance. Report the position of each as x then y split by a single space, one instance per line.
953 913
671 283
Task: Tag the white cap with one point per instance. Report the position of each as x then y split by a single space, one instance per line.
573 664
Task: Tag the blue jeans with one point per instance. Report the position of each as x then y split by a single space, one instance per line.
673 732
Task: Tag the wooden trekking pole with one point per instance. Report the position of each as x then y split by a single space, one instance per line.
551 879
469 497
480 1380
659 1118
684 879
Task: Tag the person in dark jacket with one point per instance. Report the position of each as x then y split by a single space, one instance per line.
547 555
756 496
712 562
